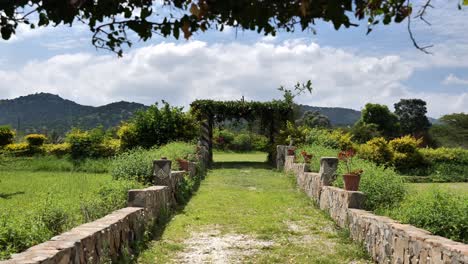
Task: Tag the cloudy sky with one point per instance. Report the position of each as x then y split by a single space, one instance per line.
347 68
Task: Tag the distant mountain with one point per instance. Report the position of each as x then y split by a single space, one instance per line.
338 116
46 113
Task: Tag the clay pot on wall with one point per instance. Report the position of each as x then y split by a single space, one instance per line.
351 181
291 151
183 164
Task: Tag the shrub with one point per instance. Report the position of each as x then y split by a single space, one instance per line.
376 150
158 126
222 139
58 150
335 139
137 164
363 132
109 198
407 156
18 150
383 187
259 142
127 134
241 142
36 140
437 211
91 144
6 136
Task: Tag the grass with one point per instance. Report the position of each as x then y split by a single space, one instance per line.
53 164
254 156
35 206
22 191
460 188
251 199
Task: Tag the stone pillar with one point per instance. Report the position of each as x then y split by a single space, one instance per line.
328 167
162 172
281 152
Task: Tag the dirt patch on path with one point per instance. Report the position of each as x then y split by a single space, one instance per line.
213 247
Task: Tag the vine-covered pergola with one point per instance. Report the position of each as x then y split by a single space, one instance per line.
272 115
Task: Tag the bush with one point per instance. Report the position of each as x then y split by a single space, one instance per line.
58 150
447 164
222 139
335 139
158 126
36 140
407 156
241 142
376 150
6 136
383 187
363 132
137 164
109 198
128 137
437 211
16 148
91 144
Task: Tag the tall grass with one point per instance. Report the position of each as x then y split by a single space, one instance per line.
54 164
137 164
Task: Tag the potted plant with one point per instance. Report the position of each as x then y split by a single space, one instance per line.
291 151
352 176
307 159
183 164
307 156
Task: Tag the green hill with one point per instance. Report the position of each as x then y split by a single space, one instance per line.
47 113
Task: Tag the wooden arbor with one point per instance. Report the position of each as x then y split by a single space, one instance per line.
272 116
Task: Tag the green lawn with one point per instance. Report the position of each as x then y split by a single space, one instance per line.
239 157
24 191
247 212
35 206
460 188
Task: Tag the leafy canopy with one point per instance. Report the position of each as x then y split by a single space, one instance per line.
113 21
412 116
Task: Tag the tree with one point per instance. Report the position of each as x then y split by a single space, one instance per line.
157 126
6 135
363 132
412 116
113 21
314 119
452 132
385 121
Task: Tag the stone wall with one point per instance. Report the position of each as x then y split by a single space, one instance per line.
113 235
386 240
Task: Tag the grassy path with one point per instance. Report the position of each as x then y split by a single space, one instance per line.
247 213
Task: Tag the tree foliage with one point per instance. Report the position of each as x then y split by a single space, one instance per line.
157 126
452 132
6 135
412 116
379 115
314 119
113 21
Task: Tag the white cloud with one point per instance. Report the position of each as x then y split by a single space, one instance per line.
452 79
181 73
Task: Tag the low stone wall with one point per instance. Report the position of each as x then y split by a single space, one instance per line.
386 240
108 238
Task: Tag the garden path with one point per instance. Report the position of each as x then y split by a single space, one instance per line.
245 212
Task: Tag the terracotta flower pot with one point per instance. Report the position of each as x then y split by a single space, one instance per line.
291 152
351 182
184 164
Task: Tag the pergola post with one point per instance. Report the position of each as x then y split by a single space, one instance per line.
207 136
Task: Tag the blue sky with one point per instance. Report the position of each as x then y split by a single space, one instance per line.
347 67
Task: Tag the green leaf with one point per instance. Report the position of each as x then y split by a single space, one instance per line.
43 19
